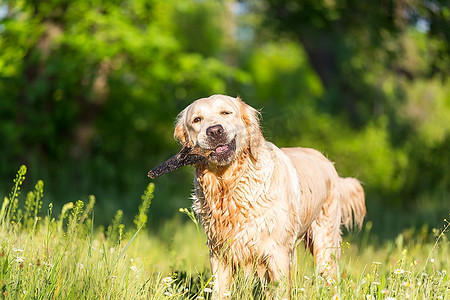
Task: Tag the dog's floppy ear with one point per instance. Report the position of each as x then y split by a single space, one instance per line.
180 132
250 117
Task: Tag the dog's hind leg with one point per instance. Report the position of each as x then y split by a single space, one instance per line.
324 235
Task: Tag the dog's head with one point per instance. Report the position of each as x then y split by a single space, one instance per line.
222 124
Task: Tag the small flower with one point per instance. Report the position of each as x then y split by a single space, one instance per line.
227 294
376 282
306 278
17 250
200 297
167 279
399 271
20 259
406 284
168 294
377 263
302 290
80 266
331 281
370 297
389 298
207 290
384 291
133 268
431 260
335 297
327 266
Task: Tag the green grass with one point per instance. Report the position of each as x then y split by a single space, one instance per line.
61 255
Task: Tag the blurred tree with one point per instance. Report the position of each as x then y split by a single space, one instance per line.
344 39
88 87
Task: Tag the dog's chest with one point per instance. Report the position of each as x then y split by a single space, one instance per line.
235 217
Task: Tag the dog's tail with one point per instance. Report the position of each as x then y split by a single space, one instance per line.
352 203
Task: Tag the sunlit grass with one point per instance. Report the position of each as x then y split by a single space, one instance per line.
61 255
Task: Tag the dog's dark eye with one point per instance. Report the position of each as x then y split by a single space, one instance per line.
197 119
225 112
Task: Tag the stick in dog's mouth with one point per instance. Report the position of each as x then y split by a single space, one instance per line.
186 156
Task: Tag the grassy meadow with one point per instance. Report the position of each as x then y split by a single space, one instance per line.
47 254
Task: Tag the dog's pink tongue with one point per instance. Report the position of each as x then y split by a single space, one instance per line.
221 149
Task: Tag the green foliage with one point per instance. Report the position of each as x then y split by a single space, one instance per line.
141 218
90 89
115 229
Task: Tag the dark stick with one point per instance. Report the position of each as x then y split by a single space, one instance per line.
187 156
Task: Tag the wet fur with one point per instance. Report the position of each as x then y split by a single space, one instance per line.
256 209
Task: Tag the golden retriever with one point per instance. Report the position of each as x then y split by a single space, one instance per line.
257 202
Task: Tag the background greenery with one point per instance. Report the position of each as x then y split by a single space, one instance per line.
89 91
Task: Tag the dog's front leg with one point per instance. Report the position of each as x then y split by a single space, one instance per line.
278 267
222 277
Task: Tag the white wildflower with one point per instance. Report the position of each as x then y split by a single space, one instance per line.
331 281
167 279
327 266
399 271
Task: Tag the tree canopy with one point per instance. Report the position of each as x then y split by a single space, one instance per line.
90 90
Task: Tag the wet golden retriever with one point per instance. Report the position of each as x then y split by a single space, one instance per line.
257 202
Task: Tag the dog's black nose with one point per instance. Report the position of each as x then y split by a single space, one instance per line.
214 131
